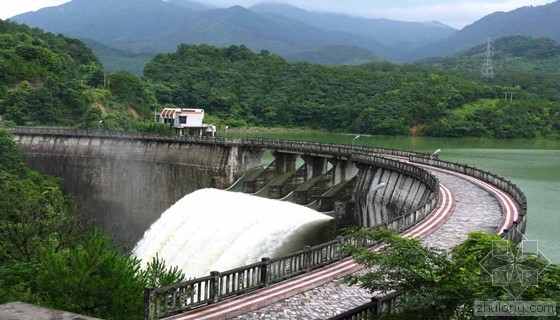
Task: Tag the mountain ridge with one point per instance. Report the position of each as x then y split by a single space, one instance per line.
159 26
535 21
156 26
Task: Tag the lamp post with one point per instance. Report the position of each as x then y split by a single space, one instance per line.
356 137
370 198
226 130
433 156
99 124
435 153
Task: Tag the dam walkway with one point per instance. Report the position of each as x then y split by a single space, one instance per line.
466 204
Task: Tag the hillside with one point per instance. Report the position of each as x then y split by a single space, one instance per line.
237 25
49 79
114 60
332 55
401 37
512 53
152 26
534 21
127 24
54 80
247 89
42 76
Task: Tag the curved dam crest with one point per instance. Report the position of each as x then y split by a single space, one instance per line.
231 229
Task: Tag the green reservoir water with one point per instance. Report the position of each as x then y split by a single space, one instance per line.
533 165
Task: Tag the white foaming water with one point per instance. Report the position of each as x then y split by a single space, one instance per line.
212 229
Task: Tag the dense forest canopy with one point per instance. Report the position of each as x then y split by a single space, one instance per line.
48 79
247 88
53 80
42 75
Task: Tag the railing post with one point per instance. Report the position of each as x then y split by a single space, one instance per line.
307 259
264 271
215 286
339 247
376 308
149 304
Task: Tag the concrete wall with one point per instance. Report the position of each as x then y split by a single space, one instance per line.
402 193
125 181
126 184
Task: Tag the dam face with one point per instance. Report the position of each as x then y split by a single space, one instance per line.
124 182
124 185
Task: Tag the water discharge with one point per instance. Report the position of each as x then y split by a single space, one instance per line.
212 229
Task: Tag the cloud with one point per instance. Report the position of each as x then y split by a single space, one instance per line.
454 13
457 14
10 8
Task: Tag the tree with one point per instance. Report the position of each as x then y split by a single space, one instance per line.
92 278
47 258
438 284
127 88
11 161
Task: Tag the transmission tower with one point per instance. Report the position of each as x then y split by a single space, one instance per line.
487 71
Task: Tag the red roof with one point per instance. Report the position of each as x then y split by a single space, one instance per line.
170 112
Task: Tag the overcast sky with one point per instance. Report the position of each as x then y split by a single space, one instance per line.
455 13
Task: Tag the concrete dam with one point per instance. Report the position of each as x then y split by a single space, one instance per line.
125 181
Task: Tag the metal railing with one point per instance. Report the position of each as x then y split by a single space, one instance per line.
179 297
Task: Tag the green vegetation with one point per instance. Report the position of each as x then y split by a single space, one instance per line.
332 55
119 60
50 79
245 88
49 258
441 284
512 56
54 80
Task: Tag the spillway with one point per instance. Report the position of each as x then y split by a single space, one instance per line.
212 229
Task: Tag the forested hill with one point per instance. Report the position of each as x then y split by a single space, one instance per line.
54 80
513 53
30 53
531 63
43 75
246 88
153 26
48 79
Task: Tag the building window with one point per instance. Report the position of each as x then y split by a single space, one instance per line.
182 119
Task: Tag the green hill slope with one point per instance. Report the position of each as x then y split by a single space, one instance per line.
245 88
43 76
